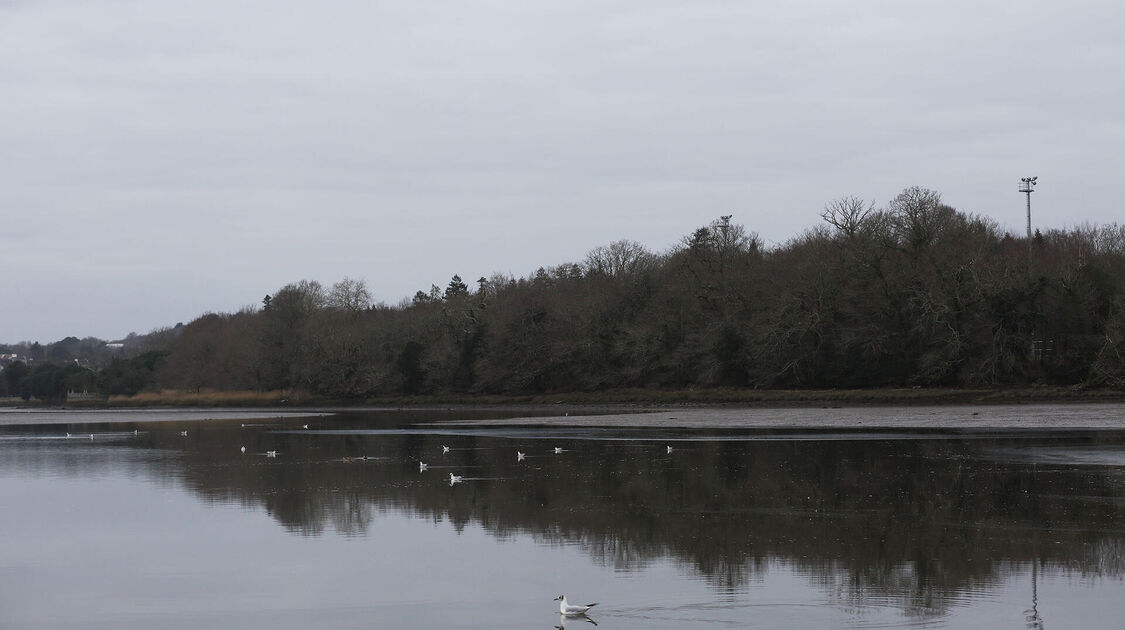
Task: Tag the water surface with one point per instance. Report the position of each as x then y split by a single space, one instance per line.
140 526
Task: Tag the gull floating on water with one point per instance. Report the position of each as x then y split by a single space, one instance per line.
271 453
183 433
520 456
558 450
669 449
567 609
422 466
242 450
454 479
304 426
444 449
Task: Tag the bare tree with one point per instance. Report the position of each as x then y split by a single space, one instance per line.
847 214
619 258
918 216
349 295
298 299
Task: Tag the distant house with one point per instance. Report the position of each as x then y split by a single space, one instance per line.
72 396
8 359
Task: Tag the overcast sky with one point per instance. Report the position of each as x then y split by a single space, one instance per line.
163 159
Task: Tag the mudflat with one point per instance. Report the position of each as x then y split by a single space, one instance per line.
18 416
1033 416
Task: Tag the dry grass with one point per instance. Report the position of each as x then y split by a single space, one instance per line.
638 397
206 398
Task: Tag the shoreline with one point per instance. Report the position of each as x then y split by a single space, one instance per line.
1039 409
963 420
633 398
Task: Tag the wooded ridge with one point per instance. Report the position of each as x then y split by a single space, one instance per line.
913 294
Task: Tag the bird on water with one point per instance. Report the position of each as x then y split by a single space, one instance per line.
568 609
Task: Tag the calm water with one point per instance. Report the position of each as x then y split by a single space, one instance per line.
733 528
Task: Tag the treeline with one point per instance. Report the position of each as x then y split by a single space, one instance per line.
916 293
48 372
52 382
913 294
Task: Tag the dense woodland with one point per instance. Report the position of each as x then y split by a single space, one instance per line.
913 294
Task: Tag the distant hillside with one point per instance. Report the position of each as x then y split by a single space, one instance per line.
50 372
90 351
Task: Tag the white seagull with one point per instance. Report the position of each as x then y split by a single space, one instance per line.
669 450
271 453
444 449
183 433
242 450
520 456
558 450
567 609
454 479
422 466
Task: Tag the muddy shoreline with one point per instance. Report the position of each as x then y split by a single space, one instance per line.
1053 416
614 399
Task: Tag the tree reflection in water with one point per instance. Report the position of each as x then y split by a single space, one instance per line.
917 521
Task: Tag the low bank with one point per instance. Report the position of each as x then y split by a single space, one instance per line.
630 397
